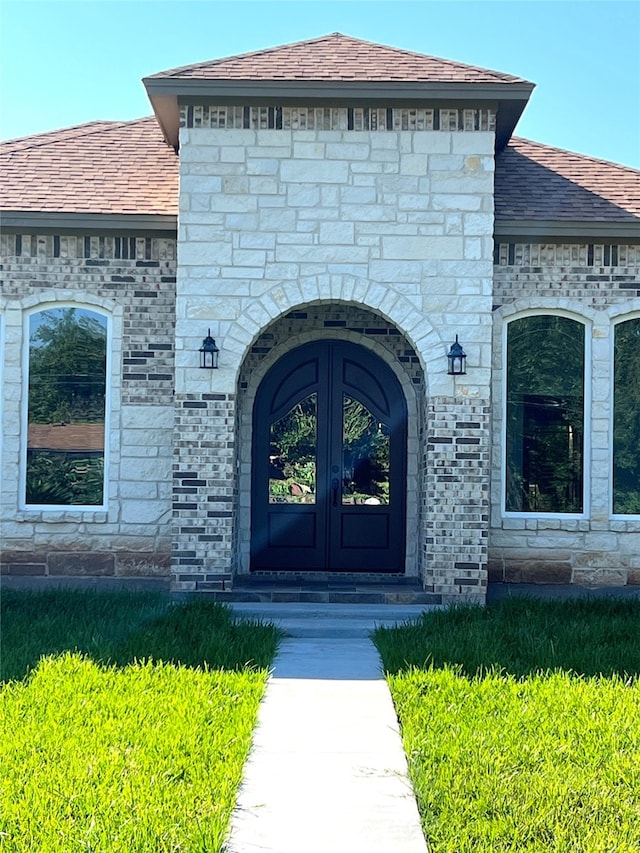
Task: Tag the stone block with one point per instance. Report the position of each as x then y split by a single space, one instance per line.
314 172
537 571
479 142
308 150
262 166
432 142
446 163
601 542
143 564
302 195
232 154
600 577
477 224
341 233
347 151
205 254
147 417
495 571
413 164
25 569
462 183
419 248
85 563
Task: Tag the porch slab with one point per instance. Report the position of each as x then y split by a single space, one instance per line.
330 621
327 588
327 770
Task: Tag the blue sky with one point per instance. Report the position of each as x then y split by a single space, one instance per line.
65 62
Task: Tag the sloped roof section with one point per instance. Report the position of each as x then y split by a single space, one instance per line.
125 168
337 57
336 69
539 182
104 167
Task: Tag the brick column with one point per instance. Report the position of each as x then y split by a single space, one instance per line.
455 517
205 491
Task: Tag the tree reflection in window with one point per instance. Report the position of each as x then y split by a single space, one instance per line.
365 452
545 415
66 408
626 418
292 454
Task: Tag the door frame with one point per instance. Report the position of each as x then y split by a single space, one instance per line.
246 401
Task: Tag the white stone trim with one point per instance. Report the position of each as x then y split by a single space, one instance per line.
288 296
561 307
113 313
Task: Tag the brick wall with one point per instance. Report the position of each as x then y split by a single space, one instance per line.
599 284
133 280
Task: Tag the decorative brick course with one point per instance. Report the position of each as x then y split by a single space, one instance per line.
336 118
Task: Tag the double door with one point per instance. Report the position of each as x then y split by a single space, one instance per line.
329 463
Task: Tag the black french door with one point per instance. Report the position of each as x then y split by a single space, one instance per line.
329 463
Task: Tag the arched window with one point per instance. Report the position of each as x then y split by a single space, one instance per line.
66 408
545 415
626 417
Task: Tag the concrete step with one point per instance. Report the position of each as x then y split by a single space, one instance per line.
326 588
330 621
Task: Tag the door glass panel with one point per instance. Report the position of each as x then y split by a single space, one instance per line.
293 441
365 455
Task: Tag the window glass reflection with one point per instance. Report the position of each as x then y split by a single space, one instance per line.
365 455
626 418
292 454
545 415
66 408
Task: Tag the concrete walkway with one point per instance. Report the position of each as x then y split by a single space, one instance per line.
327 772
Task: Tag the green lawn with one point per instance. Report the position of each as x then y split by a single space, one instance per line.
124 721
521 725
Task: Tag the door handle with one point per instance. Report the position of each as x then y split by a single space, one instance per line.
335 484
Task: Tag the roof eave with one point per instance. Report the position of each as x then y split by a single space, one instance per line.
52 222
165 95
519 230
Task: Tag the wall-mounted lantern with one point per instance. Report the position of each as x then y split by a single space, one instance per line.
457 359
209 353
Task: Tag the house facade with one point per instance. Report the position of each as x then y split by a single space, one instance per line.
322 220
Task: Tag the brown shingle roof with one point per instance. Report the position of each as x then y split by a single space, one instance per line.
101 167
337 57
125 167
536 181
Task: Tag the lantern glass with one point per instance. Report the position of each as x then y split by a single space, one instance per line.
209 353
457 359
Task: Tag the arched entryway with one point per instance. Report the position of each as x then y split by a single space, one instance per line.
329 463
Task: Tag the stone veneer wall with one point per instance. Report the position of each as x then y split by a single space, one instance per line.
599 284
398 222
133 279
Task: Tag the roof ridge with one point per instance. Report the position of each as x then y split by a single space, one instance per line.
336 36
453 62
209 62
591 158
51 137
